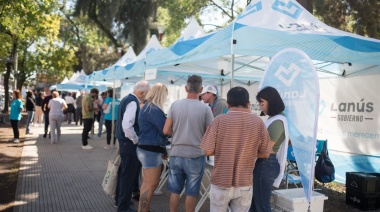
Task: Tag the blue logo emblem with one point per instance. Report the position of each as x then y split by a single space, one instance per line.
251 8
290 9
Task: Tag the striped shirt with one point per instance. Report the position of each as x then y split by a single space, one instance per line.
235 138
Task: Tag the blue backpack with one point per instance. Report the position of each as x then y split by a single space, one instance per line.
324 168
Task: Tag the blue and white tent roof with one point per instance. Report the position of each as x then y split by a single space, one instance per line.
263 29
108 73
79 81
137 65
192 30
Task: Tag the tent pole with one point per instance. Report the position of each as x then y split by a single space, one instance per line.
232 70
113 111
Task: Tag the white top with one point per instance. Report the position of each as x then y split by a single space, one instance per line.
69 100
56 106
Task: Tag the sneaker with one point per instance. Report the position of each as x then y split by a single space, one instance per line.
107 147
16 140
29 133
157 192
97 137
87 147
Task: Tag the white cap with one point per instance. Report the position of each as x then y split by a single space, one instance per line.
209 88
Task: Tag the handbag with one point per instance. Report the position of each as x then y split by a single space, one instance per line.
108 109
324 168
110 179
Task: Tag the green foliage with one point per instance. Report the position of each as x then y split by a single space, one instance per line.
121 21
361 17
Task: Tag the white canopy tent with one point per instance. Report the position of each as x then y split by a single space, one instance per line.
261 30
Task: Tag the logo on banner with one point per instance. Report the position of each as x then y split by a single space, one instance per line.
282 74
352 111
251 8
290 8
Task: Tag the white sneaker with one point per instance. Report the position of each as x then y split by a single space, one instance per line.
16 140
107 147
87 147
157 192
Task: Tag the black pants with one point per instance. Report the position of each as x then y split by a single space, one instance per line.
46 119
16 133
128 172
87 126
78 116
108 124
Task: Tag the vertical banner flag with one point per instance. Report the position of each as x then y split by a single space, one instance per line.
294 76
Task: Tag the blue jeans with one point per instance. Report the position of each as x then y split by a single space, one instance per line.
189 170
264 174
128 171
30 118
149 159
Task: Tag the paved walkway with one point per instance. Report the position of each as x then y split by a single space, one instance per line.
63 177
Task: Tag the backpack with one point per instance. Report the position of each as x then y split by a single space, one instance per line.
324 168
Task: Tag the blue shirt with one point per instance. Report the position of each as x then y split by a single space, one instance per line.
16 105
109 115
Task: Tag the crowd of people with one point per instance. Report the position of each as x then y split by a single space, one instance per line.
52 109
247 152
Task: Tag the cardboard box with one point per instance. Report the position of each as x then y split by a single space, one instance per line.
294 200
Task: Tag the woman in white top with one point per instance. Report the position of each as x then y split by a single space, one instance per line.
56 106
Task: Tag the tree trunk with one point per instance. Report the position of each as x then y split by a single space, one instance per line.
6 87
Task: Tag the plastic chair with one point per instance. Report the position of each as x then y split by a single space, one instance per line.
291 174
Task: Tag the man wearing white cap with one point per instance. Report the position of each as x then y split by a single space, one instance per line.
210 96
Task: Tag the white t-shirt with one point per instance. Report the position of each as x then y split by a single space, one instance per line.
56 106
69 100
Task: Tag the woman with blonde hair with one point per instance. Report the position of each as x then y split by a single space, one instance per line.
56 116
152 143
15 115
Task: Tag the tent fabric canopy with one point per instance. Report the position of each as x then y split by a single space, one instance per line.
265 28
79 81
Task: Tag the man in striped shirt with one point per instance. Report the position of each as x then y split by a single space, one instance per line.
236 139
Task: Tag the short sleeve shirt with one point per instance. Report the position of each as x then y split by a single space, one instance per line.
56 106
87 100
190 121
15 114
108 116
236 138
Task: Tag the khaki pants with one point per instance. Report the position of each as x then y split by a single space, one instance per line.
238 198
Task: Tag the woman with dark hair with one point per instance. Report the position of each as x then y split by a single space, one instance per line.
15 115
110 115
29 105
269 172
